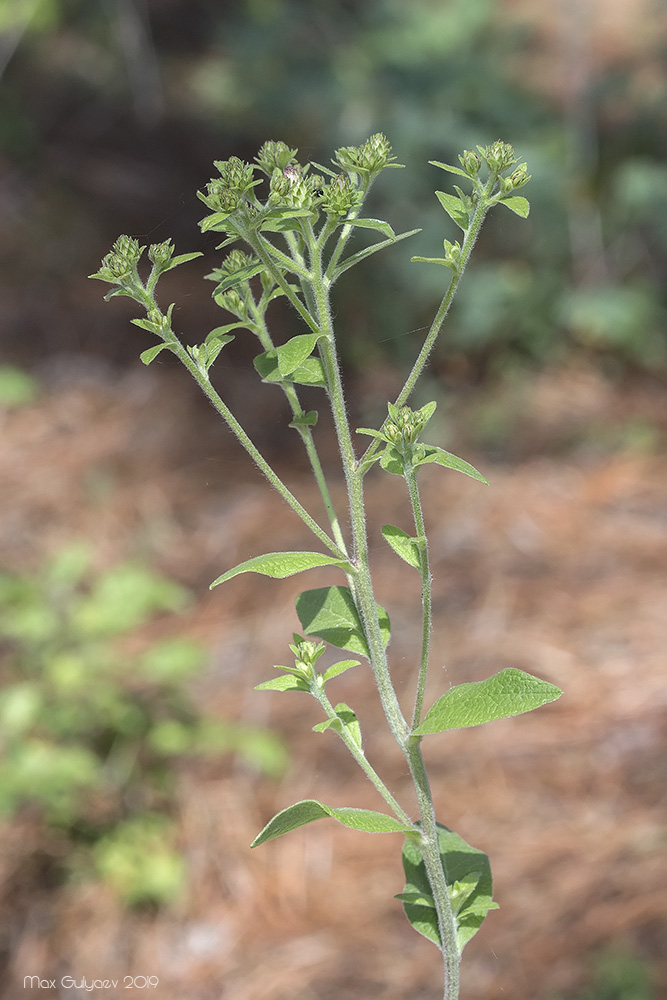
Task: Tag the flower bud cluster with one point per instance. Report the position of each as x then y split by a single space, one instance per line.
161 323
340 196
275 155
120 263
236 261
161 253
404 426
369 158
292 187
498 156
452 254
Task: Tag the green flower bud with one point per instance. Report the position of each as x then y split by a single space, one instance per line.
498 156
470 162
291 188
128 248
236 174
220 198
520 176
161 253
369 158
275 155
340 196
236 261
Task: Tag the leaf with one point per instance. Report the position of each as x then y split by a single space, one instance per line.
310 372
356 258
520 206
151 353
345 719
436 260
509 692
280 565
330 614
338 668
391 460
292 354
469 884
286 682
243 274
454 208
214 222
402 544
303 419
441 457
378 224
182 258
449 168
308 810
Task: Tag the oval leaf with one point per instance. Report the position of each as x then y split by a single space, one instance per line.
330 614
309 810
286 682
520 206
454 208
339 668
294 352
310 372
402 544
469 884
281 564
510 692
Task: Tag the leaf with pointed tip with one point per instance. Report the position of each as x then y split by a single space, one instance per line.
356 258
281 564
230 280
509 692
469 885
152 353
214 222
345 719
330 614
441 457
378 224
310 372
308 419
454 208
402 544
293 354
449 168
338 668
286 682
182 258
308 810
520 206
436 260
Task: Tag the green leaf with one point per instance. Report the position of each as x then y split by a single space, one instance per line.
151 353
449 168
402 544
308 419
182 258
309 810
356 258
243 274
292 354
441 457
338 668
330 614
214 222
310 372
286 682
454 208
378 224
281 564
509 692
436 260
391 460
520 206
345 719
469 884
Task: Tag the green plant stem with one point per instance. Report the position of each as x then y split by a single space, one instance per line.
434 870
204 382
410 474
360 757
305 434
363 586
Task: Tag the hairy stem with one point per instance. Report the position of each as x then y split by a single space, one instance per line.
411 479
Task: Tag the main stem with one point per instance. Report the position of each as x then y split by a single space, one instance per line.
368 610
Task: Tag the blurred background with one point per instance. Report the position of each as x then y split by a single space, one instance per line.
137 764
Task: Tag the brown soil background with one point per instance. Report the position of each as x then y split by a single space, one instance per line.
557 568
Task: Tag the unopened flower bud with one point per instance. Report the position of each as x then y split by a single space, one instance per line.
161 253
470 162
275 155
